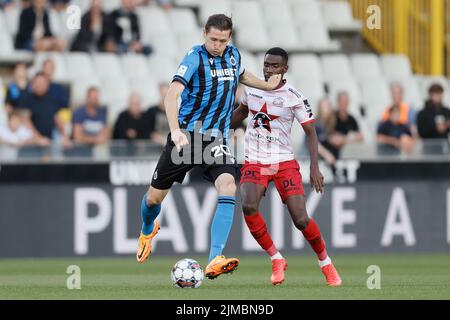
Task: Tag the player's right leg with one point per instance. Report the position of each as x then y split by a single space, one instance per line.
150 209
253 187
166 173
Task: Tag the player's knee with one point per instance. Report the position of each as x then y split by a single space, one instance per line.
227 187
153 198
301 222
249 207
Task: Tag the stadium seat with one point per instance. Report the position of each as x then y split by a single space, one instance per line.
305 66
153 22
12 15
365 65
309 11
375 97
114 92
166 44
162 68
188 40
367 131
314 36
183 21
79 65
247 13
338 16
252 38
60 74
395 66
148 89
7 45
250 63
284 35
3 24
134 66
312 89
79 87
107 65
188 3
210 7
336 66
281 8
351 87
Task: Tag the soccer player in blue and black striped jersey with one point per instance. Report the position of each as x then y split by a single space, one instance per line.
206 81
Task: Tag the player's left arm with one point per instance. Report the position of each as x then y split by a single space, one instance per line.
250 80
316 177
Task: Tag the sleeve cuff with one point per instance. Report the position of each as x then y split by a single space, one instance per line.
180 79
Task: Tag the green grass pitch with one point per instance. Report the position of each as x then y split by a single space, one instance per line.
403 276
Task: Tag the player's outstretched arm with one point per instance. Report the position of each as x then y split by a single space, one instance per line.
171 106
239 115
316 177
253 81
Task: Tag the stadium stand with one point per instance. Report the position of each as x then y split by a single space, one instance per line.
318 67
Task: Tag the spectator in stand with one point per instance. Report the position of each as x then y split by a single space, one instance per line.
433 121
17 88
346 129
34 32
89 122
57 90
159 127
407 115
17 134
325 126
124 31
393 133
132 123
93 30
42 110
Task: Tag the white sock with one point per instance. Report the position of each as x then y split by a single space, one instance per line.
276 256
325 262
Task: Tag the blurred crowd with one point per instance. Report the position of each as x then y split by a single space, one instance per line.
117 31
400 124
38 112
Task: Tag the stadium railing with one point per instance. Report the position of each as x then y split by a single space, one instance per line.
424 150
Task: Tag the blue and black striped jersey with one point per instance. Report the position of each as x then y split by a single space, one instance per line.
210 88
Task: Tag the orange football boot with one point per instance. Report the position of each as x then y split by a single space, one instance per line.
145 243
278 268
331 275
220 265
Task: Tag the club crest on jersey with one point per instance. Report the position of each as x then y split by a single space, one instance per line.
278 102
262 118
233 61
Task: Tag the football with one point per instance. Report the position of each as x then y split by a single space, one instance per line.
187 273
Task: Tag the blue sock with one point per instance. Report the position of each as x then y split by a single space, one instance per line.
148 215
221 225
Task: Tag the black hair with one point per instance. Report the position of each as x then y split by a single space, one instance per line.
277 51
435 88
219 21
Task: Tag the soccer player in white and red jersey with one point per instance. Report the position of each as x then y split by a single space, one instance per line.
269 157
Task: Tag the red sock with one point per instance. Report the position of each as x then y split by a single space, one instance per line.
313 236
258 229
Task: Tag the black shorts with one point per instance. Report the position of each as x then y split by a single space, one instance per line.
213 156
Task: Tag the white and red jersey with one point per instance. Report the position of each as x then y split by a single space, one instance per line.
271 114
